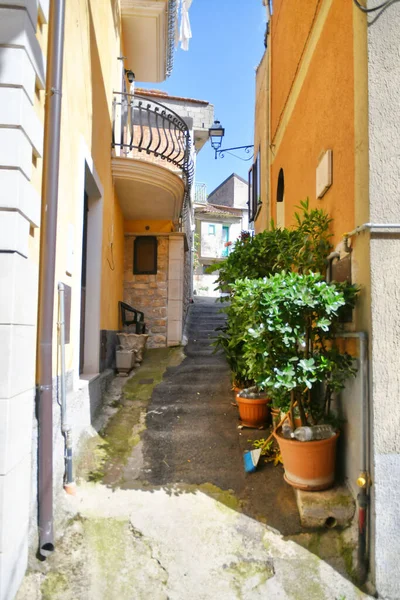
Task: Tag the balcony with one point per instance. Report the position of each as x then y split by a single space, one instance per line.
148 28
152 162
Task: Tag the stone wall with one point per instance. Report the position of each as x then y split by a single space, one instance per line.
21 149
149 293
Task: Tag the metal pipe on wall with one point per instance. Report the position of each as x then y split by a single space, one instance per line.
381 227
363 480
48 234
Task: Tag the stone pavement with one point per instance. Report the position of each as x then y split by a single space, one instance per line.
164 509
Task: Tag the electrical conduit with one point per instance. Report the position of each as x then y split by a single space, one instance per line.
363 480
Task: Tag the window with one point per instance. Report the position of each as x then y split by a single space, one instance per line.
280 200
225 240
211 229
280 192
254 202
145 255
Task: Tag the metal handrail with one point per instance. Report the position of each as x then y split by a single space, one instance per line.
145 125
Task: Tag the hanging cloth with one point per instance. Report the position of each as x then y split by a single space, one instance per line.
178 9
185 31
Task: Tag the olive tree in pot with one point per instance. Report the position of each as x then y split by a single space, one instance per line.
289 348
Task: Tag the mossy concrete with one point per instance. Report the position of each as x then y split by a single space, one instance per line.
163 505
106 454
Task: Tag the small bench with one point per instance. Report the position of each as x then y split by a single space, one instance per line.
131 316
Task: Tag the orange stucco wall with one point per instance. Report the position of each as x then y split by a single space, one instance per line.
322 119
290 27
261 136
149 226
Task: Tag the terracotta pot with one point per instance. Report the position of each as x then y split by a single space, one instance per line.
253 412
309 465
236 391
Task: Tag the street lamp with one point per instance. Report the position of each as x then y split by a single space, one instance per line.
216 133
130 75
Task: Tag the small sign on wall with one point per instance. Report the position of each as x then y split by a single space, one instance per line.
324 174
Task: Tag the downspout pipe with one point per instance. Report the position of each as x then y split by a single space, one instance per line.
364 480
51 159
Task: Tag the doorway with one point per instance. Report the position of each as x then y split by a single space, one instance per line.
83 282
225 239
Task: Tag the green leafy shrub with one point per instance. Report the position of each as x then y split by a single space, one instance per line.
287 338
302 248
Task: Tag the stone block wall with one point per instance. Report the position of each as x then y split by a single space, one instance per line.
149 293
21 149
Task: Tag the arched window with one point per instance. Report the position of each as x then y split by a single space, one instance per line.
280 192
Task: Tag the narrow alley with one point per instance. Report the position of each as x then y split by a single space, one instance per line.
164 509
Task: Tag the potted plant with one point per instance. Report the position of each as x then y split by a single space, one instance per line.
252 404
289 348
301 248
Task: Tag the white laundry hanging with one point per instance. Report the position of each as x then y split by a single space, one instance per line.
178 10
185 30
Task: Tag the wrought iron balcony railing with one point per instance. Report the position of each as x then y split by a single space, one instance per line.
141 124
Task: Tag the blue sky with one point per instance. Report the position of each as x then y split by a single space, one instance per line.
226 47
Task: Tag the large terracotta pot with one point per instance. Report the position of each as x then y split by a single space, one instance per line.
253 412
309 465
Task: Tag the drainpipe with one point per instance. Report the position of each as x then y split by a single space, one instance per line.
364 480
47 274
330 260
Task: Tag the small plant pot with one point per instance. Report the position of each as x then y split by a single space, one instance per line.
253 412
133 341
308 465
125 359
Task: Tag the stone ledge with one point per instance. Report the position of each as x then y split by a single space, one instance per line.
330 508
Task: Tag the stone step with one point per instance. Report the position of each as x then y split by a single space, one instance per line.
327 509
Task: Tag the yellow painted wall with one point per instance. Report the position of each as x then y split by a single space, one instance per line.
321 113
91 73
261 137
149 226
